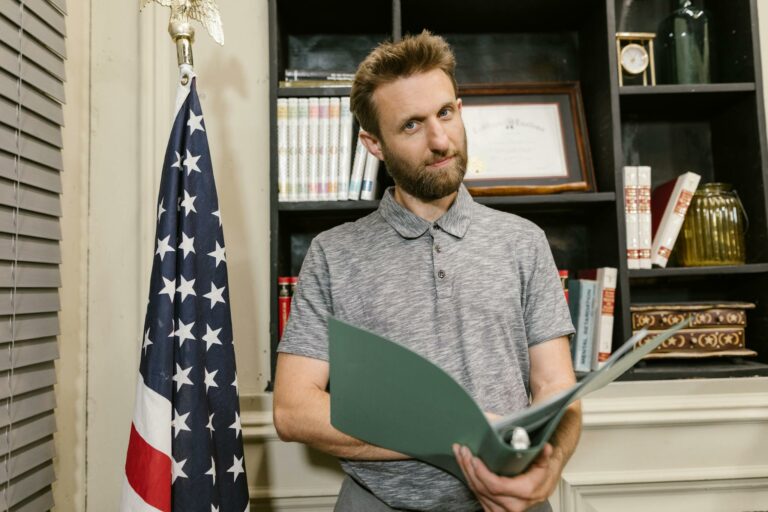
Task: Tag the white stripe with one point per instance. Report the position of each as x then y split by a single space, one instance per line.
152 417
132 502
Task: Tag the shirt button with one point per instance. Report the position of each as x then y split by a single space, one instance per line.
437 248
441 274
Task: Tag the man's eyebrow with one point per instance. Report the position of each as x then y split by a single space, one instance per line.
405 119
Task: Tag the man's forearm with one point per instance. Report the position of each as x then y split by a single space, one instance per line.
566 436
309 422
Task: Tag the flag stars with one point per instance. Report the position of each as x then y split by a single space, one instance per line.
177 470
215 295
169 289
179 423
218 254
187 244
211 337
195 122
160 211
209 426
237 467
186 288
209 379
234 384
236 425
163 247
188 203
177 163
181 377
191 163
184 332
212 472
217 214
147 342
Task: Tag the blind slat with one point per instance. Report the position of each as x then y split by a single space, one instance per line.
43 500
30 98
34 26
29 123
29 199
31 73
48 13
28 300
28 406
27 485
31 49
25 459
29 275
36 250
30 327
26 380
28 353
30 224
28 431
30 148
30 173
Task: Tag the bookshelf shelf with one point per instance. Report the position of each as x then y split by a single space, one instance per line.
750 268
310 92
640 90
726 367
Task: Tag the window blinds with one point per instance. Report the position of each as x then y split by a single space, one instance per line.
32 74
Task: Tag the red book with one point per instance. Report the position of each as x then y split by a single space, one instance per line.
286 288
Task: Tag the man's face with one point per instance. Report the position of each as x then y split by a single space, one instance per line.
423 141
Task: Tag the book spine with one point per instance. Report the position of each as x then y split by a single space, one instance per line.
322 148
345 150
282 149
303 185
293 148
582 310
284 294
645 239
334 125
673 217
369 186
564 283
604 307
630 216
694 341
358 167
660 320
314 151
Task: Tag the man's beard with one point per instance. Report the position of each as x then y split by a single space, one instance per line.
425 184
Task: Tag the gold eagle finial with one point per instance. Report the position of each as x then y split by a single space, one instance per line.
204 11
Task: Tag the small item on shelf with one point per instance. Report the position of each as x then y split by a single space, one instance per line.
714 228
635 55
669 203
286 289
564 282
716 329
683 45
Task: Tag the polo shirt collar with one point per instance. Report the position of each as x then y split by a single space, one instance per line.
409 225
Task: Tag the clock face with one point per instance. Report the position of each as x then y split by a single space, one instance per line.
634 58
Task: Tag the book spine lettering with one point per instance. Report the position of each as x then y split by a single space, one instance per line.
672 221
334 125
303 155
282 149
345 150
630 216
605 301
314 150
645 239
322 148
293 148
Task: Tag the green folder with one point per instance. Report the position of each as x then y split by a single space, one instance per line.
387 395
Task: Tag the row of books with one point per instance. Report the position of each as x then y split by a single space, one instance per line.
591 300
314 152
653 220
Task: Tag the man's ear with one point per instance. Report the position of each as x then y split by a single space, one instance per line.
371 143
458 104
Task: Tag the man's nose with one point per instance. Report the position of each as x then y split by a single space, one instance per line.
437 138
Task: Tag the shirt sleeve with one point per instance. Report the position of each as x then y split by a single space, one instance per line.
544 307
307 331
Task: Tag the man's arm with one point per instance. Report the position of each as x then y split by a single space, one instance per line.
302 411
551 372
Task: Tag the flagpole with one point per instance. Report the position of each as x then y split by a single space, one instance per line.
183 35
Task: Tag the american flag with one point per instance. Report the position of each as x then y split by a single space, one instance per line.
185 451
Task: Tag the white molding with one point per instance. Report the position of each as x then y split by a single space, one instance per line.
658 476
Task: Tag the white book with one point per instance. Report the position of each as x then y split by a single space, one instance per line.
293 149
645 237
358 168
314 141
671 221
345 150
630 216
282 149
303 155
322 149
605 300
369 186
333 147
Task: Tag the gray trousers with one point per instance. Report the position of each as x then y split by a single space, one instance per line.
355 498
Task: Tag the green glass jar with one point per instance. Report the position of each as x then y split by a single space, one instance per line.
714 228
682 45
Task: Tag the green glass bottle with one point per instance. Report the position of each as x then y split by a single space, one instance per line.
682 45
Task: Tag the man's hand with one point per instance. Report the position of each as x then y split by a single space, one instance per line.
511 494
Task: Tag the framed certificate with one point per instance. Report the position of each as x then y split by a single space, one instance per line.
526 139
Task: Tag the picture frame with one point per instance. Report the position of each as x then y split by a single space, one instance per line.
526 138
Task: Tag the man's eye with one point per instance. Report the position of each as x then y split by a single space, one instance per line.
410 125
444 112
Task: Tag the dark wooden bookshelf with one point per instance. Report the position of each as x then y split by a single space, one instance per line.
715 129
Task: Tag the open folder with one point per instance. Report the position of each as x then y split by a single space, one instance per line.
387 395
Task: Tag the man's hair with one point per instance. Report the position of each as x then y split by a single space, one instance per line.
390 61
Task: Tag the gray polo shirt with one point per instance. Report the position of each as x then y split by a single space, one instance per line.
471 292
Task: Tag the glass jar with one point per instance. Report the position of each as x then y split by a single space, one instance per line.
682 45
714 228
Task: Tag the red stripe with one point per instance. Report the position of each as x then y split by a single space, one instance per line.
149 472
